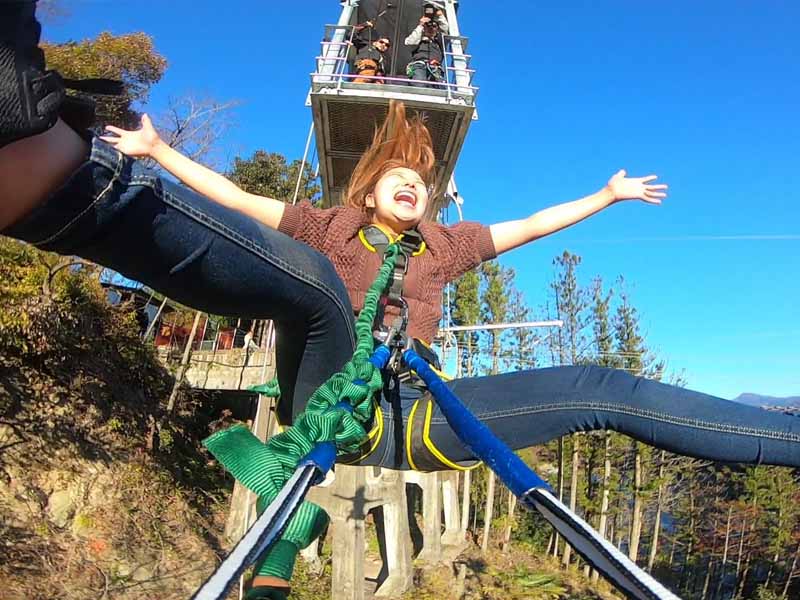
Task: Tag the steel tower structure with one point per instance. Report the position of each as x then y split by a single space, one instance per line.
345 112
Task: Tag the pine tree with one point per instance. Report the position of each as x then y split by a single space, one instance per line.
521 355
466 310
631 353
494 307
495 310
571 302
521 341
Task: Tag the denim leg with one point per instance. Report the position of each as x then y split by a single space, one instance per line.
118 214
533 407
395 404
419 75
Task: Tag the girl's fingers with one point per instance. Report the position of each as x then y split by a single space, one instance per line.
110 139
649 178
116 130
654 195
659 186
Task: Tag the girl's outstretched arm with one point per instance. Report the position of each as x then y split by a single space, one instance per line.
145 142
512 234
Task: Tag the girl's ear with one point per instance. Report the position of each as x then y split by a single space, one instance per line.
369 201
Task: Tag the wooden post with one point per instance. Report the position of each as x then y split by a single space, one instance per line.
487 517
347 520
187 352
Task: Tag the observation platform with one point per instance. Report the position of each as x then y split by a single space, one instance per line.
346 113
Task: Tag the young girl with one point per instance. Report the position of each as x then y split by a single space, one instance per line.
389 190
222 250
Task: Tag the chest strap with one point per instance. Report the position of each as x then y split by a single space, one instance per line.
411 244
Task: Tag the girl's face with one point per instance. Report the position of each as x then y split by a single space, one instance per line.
399 199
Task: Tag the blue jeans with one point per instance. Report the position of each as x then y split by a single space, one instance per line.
526 408
420 72
117 213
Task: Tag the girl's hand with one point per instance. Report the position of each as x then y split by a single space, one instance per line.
622 187
139 143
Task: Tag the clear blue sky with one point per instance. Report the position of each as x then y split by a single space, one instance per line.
705 94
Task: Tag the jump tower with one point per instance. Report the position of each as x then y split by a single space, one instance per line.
346 112
346 107
345 115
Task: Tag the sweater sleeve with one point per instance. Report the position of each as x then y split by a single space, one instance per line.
444 26
460 248
414 37
306 223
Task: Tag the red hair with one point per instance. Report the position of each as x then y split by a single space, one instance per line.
398 142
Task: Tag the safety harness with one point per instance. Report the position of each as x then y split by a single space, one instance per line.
337 412
421 453
265 468
282 471
433 68
410 244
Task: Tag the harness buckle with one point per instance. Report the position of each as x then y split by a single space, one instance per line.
396 339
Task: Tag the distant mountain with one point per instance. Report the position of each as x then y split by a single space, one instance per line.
759 400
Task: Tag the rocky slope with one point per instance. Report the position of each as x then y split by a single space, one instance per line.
102 495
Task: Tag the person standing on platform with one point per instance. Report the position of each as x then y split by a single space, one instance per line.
427 53
370 61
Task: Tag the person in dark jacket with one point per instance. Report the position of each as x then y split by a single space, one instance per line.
370 60
427 47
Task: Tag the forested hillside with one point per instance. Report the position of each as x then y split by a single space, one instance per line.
706 530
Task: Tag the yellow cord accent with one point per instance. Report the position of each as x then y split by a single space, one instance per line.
362 236
444 376
434 450
408 435
364 241
376 434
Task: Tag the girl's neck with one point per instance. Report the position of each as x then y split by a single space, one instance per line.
391 231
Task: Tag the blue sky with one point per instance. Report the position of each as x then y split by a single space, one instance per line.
703 94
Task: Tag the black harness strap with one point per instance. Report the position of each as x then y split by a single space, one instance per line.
411 243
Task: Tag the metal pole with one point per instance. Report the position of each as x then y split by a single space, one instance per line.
452 191
556 323
343 58
332 50
303 162
203 334
457 50
155 319
187 351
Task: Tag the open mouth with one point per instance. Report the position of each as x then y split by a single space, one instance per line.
406 197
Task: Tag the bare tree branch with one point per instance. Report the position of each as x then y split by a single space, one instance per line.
52 11
194 125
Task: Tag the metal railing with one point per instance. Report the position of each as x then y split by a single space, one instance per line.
171 337
332 66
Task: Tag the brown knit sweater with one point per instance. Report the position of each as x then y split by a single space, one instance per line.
450 252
